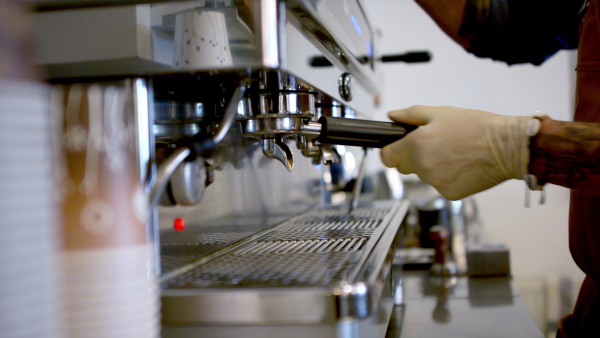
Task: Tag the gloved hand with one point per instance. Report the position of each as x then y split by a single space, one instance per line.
460 151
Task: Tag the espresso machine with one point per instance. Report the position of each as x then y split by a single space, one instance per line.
250 118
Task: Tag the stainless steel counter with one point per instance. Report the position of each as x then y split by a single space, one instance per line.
462 308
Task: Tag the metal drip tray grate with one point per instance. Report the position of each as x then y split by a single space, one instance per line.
304 246
260 270
180 248
312 250
319 250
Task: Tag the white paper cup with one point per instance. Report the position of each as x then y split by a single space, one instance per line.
111 288
201 40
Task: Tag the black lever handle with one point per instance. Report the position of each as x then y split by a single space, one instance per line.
361 133
408 57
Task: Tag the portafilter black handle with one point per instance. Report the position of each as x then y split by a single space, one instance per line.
361 133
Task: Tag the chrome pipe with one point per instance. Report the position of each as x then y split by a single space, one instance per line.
164 172
230 112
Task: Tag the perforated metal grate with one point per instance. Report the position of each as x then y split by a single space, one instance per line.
316 249
258 270
329 216
304 246
180 248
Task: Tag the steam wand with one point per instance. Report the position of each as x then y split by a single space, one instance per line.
353 132
359 182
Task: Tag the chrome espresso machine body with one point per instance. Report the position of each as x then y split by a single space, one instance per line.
231 99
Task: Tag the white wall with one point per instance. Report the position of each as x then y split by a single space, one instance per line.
537 236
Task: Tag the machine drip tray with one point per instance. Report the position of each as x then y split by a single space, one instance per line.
323 266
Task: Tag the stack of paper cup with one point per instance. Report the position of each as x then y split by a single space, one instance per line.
29 227
111 287
106 295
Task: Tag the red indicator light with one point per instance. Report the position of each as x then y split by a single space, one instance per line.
179 224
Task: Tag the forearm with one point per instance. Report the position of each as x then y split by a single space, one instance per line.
567 154
448 14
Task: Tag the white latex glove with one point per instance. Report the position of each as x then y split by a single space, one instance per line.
460 151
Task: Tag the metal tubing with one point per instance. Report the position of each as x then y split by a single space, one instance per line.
230 112
358 183
164 172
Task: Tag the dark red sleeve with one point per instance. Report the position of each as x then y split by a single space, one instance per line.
521 31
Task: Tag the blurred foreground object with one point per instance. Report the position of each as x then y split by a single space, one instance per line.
29 245
111 287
